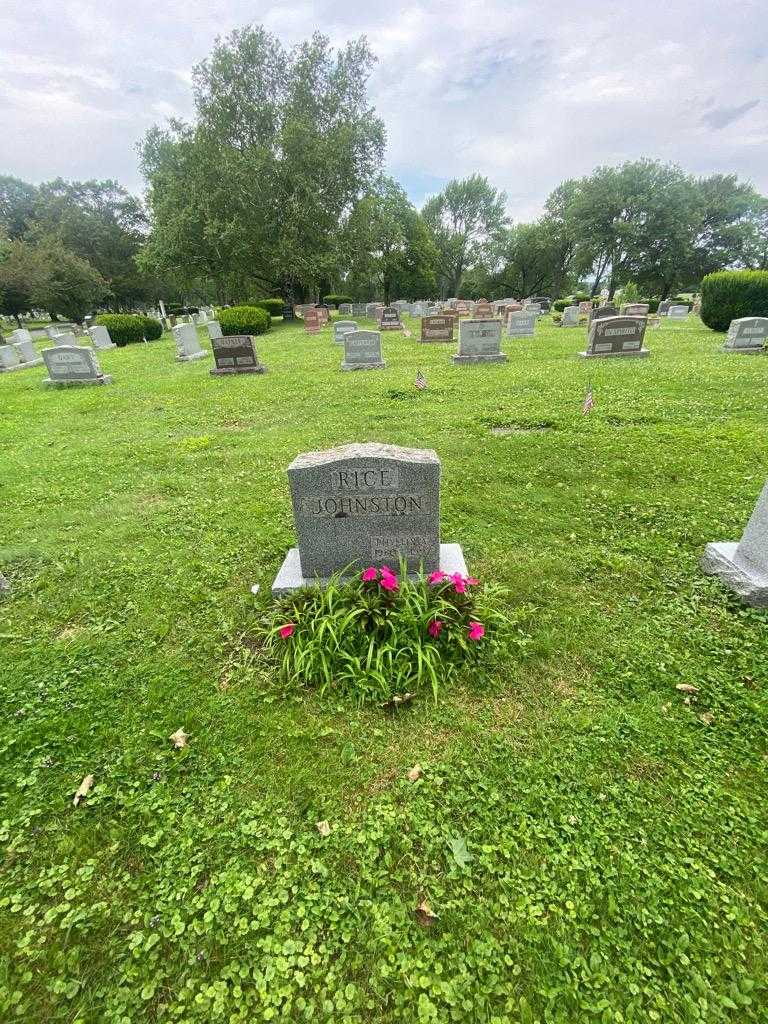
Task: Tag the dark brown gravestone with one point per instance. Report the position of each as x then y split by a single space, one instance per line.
514 307
235 354
389 319
437 328
483 310
602 312
616 336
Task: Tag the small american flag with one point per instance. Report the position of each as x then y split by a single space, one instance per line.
589 401
421 381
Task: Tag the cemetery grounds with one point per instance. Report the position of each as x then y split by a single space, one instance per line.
590 837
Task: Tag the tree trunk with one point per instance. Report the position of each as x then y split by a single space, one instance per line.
611 288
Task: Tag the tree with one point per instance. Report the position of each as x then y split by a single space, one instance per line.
21 276
532 262
392 250
755 253
259 188
465 219
17 202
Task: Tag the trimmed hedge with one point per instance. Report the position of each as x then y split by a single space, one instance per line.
127 327
244 320
273 306
336 300
730 294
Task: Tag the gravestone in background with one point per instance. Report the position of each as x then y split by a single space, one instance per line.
532 307
214 329
635 309
342 327
9 358
187 343
53 330
235 353
543 301
514 307
359 309
483 310
345 309
437 328
65 339
602 312
521 325
362 351
585 308
312 321
73 365
361 505
743 567
287 313
100 337
570 317
664 305
389 319
21 340
616 336
677 312
747 335
480 342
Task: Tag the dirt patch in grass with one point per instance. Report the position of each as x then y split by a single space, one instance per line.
522 427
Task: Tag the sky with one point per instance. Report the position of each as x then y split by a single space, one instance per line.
527 93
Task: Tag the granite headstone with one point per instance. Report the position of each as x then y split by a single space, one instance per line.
743 567
73 365
362 351
438 327
747 335
616 336
235 353
480 342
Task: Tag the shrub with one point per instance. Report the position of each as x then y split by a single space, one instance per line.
730 294
153 329
377 637
559 305
336 300
244 320
273 306
176 310
127 327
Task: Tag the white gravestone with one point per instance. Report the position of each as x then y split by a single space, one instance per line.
362 351
24 348
214 329
570 317
743 567
521 325
100 337
479 342
365 505
677 312
187 343
616 336
9 358
342 327
747 335
73 365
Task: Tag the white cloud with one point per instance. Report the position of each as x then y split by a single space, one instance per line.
528 93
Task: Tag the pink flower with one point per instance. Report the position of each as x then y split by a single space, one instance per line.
386 571
371 573
287 630
471 581
388 581
476 631
435 628
437 577
459 583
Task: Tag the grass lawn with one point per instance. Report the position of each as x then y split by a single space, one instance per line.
617 829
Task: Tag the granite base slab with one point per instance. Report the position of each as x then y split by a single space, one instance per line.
225 372
463 360
106 379
362 366
640 354
747 581
188 359
746 351
22 366
289 578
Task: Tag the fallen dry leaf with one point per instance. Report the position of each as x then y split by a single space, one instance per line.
415 773
179 738
425 915
687 688
707 717
85 787
323 828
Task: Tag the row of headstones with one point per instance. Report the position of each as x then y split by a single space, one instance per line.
479 342
374 505
21 353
